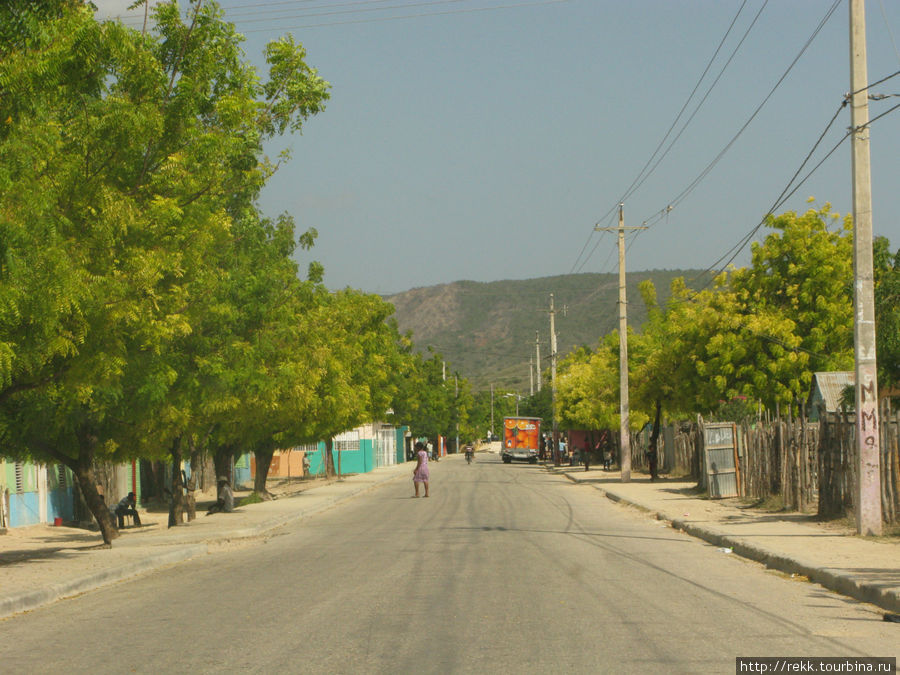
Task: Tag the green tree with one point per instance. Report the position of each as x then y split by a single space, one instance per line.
887 313
588 388
804 271
360 361
760 331
425 402
126 159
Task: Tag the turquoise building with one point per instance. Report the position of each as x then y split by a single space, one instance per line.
33 493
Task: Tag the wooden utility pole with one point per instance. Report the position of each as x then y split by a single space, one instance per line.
868 502
624 432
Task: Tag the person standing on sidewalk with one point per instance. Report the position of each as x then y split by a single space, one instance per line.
421 473
586 454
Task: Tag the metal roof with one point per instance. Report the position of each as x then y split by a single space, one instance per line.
831 386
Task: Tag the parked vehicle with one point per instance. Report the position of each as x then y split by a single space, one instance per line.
521 439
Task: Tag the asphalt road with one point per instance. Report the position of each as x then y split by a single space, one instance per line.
504 569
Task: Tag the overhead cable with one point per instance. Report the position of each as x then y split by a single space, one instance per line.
706 171
635 183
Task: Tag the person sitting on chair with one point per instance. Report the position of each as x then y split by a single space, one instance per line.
127 507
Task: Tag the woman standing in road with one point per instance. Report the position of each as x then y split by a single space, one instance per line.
420 473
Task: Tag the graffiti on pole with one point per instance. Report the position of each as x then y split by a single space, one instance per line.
868 414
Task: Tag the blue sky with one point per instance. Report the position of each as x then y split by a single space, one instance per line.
485 139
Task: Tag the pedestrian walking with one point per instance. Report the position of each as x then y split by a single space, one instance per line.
586 454
421 473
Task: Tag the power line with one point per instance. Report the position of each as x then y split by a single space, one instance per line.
397 17
418 15
709 167
640 178
337 12
734 53
788 192
888 26
330 5
783 197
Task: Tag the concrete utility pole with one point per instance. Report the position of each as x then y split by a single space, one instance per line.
492 412
556 461
531 376
537 351
624 432
868 503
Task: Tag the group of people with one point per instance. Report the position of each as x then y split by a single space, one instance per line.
573 455
127 506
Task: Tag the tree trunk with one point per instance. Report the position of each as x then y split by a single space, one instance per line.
176 512
158 478
222 461
263 462
82 467
329 458
193 481
653 458
95 503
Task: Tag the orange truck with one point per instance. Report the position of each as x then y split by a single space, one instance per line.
521 439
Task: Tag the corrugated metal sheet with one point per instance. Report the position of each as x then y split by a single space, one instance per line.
723 485
831 386
722 478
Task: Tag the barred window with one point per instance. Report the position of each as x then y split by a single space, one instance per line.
347 442
20 477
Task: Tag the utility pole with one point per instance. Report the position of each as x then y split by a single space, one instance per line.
456 403
537 351
556 461
531 376
492 412
624 432
868 502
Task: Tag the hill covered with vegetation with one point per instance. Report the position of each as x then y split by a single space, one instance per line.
486 331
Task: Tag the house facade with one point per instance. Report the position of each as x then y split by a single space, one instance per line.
32 493
358 450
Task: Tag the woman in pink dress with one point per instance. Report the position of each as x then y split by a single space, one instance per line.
420 473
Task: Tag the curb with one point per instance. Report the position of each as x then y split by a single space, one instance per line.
174 553
833 580
31 600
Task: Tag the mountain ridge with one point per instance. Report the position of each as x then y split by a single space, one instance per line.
486 331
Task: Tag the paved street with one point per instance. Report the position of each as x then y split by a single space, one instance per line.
505 568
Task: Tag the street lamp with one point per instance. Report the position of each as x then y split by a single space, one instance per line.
518 398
